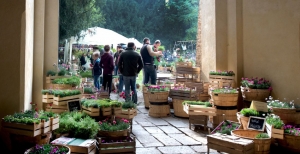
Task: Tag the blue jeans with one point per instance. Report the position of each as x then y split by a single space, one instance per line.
96 81
121 80
149 73
130 85
116 70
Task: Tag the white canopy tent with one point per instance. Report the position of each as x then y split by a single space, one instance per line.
136 42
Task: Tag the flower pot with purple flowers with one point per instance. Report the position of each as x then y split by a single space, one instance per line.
157 93
255 89
291 138
48 148
114 128
284 109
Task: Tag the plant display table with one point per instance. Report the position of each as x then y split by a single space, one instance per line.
229 144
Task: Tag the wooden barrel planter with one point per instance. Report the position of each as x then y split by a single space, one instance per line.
290 142
178 108
158 96
255 94
262 146
159 110
225 99
29 150
224 113
146 99
242 120
286 115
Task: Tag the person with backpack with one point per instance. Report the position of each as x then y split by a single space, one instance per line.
107 63
97 70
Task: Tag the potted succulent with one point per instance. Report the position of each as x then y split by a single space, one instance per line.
255 89
284 109
114 128
49 149
274 126
157 93
225 96
243 116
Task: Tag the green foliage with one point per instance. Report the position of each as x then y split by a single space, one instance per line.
206 104
223 73
115 125
86 74
275 121
279 104
116 103
247 112
78 125
169 82
77 15
74 81
47 91
157 88
256 83
88 91
65 93
180 59
24 120
129 105
161 48
47 149
62 72
51 73
225 91
262 136
105 103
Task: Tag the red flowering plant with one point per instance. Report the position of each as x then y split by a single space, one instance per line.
157 88
114 125
122 94
183 88
256 83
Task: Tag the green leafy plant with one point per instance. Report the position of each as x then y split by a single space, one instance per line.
65 93
129 105
47 91
206 104
247 112
223 73
114 125
51 73
280 104
225 91
169 82
275 121
180 59
161 48
116 103
262 136
105 103
62 72
78 125
74 81
88 91
86 74
48 149
157 88
256 83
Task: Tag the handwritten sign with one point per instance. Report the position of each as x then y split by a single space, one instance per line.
74 106
256 123
259 106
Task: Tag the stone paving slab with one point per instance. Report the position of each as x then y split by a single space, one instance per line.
154 130
203 149
176 149
185 140
140 119
146 124
195 135
166 140
138 144
179 124
158 121
142 109
147 151
169 129
144 139
153 144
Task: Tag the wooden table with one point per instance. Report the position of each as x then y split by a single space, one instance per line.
229 144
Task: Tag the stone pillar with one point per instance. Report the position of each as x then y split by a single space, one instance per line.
51 34
38 58
198 47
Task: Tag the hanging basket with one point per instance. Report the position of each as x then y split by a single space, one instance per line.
262 146
255 94
157 97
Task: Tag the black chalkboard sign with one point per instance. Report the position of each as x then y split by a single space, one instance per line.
256 123
74 106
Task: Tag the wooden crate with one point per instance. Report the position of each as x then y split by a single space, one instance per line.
106 111
93 112
49 79
204 97
117 147
78 146
199 110
88 96
57 108
183 64
230 144
178 108
45 126
64 100
225 114
184 95
47 98
188 70
116 110
54 123
274 133
22 129
218 81
127 114
58 86
198 120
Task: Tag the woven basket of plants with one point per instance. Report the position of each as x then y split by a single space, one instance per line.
284 109
255 89
262 141
114 128
157 94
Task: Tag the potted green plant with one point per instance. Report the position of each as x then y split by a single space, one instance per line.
157 93
49 149
128 110
255 89
243 116
114 128
224 96
274 126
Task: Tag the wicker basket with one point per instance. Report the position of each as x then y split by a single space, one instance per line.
286 115
243 120
158 96
29 150
178 108
262 146
225 99
290 142
255 94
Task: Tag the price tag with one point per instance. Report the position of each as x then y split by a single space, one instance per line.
259 106
256 123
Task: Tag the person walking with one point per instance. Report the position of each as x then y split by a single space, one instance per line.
116 58
96 70
121 81
82 61
147 55
130 64
107 63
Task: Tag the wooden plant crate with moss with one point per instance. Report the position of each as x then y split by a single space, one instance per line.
199 108
119 144
49 79
128 111
274 133
54 123
220 79
56 108
91 111
45 126
103 95
274 126
30 130
105 111
183 64
62 97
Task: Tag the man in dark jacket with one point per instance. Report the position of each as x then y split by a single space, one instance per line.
130 64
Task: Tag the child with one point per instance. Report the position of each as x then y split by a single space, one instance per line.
97 70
